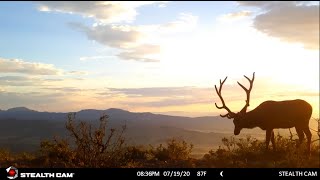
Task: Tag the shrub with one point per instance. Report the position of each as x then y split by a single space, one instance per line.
136 156
176 153
88 147
250 152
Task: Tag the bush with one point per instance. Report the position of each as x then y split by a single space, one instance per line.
88 148
5 157
22 159
136 156
251 153
175 154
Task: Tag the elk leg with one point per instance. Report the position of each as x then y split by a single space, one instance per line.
309 135
272 140
268 136
300 135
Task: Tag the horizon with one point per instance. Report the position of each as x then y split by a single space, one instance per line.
159 57
179 114
156 113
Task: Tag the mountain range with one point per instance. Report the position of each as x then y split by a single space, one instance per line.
23 129
119 116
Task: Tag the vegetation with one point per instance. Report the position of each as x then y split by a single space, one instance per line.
96 147
88 147
251 153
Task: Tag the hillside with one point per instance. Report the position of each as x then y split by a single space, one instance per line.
21 129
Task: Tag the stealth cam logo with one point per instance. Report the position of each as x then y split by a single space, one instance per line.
12 172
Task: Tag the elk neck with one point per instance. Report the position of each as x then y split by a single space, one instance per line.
250 120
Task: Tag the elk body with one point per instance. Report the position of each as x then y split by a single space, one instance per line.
270 115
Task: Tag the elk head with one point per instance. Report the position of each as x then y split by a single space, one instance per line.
237 117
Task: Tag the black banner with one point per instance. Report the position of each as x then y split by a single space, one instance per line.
185 173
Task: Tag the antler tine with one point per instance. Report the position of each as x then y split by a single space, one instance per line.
227 115
248 91
230 113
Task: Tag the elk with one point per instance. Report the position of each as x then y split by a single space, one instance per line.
270 115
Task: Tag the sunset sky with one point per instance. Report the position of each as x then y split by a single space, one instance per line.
161 57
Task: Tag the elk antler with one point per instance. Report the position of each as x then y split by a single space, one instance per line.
244 109
230 114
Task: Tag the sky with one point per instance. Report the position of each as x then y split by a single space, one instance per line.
157 56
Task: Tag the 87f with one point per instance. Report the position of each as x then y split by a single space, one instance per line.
201 173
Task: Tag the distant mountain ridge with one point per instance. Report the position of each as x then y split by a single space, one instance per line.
118 116
18 109
22 128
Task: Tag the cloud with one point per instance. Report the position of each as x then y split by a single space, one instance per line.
44 8
31 97
125 38
293 22
110 35
25 81
159 91
160 96
237 15
139 53
33 100
63 89
78 73
23 67
266 4
17 72
103 11
162 5
171 102
19 81
185 22
92 58
131 40
298 94
53 80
